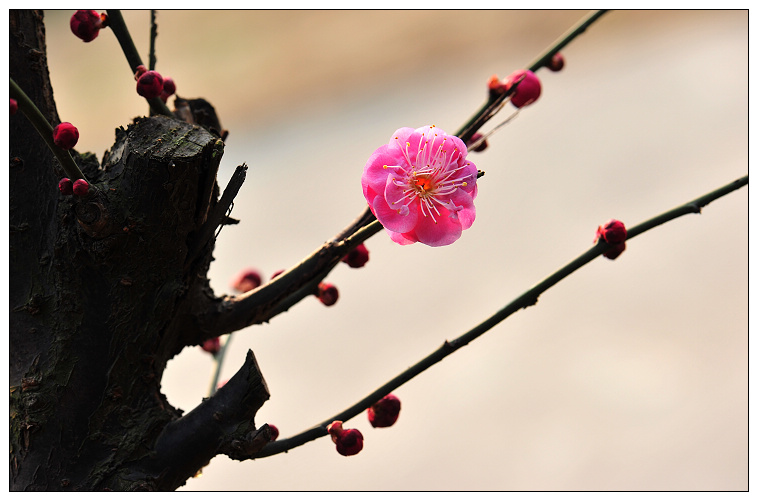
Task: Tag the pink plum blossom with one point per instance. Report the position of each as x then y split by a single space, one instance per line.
421 187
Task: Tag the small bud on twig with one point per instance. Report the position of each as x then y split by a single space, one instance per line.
349 442
327 293
65 136
65 186
556 62
150 84
80 188
614 233
384 413
357 257
86 24
528 89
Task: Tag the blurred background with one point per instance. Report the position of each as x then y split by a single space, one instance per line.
628 375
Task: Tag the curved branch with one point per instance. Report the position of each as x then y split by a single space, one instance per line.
525 300
231 313
45 130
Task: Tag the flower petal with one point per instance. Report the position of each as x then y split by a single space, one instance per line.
374 172
442 232
392 219
467 213
402 238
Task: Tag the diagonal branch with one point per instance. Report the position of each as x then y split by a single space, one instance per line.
490 108
45 130
525 300
232 313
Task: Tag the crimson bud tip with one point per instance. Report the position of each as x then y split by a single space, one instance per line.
65 186
327 293
86 24
65 136
357 257
80 187
150 84
385 412
349 441
528 88
556 62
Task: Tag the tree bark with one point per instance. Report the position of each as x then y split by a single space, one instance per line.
103 290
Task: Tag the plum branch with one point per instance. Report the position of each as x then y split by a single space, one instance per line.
45 130
117 24
493 104
528 298
230 313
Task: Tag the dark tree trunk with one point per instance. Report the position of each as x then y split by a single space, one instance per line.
104 290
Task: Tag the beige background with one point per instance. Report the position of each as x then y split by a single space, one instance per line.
628 375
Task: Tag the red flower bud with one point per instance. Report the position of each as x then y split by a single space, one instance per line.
327 293
357 257
528 89
246 281
613 232
556 62
349 442
150 84
274 432
474 139
276 274
80 187
212 346
65 136
14 106
86 24
384 413
65 186
169 87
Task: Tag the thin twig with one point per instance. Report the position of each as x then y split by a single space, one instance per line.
219 360
118 26
487 110
153 35
525 300
38 120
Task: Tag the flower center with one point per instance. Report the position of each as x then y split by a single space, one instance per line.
431 180
423 184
